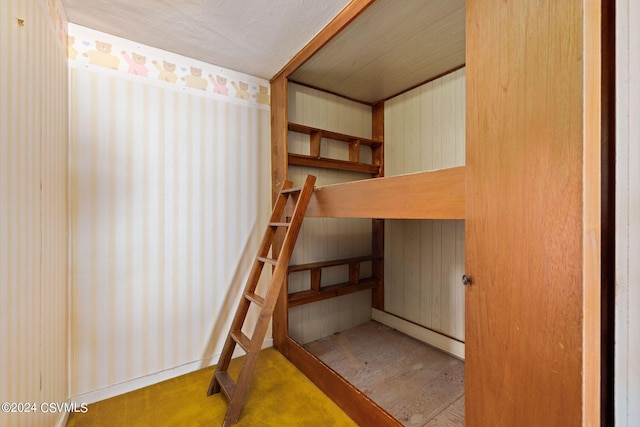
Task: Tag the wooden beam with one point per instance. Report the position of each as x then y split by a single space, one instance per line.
377 225
322 162
437 194
344 18
279 158
330 263
331 291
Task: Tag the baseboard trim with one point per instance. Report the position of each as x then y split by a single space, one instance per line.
147 380
63 419
442 342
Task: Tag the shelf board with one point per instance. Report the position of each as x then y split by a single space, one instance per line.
332 291
324 163
295 127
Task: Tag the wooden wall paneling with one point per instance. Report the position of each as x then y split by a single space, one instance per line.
406 45
410 264
323 238
424 130
532 238
393 296
449 282
437 314
427 274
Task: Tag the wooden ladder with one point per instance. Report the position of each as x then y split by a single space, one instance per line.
236 391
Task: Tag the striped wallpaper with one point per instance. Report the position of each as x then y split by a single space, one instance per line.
33 209
424 259
169 197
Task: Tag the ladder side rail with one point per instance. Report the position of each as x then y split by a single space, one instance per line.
251 283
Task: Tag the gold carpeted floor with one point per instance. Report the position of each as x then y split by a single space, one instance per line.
279 395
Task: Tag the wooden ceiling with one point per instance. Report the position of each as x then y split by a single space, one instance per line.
394 45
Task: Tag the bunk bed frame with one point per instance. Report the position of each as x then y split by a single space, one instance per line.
426 195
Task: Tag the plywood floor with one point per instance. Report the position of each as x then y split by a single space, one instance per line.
416 383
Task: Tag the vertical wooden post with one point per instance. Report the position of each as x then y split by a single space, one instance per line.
279 167
377 225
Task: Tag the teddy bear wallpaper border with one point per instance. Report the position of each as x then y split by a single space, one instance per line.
104 53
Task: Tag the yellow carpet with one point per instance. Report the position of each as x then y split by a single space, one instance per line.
279 395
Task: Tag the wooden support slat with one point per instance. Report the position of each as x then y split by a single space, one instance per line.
377 225
377 133
291 190
295 127
354 151
226 383
254 298
356 404
267 260
278 224
377 265
354 272
316 279
303 160
243 340
331 263
315 138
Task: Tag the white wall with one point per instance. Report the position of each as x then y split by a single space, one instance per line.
627 361
169 197
424 259
33 209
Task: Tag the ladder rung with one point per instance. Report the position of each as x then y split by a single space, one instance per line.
291 190
226 383
267 260
257 299
279 224
242 339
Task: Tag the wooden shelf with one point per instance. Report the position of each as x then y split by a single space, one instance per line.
320 162
295 127
332 291
353 164
331 263
438 194
318 292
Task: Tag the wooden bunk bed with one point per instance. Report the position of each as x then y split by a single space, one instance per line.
435 194
442 194
438 194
